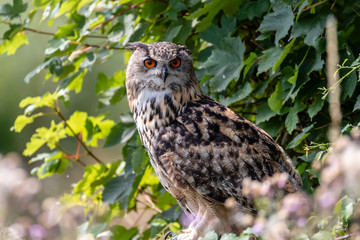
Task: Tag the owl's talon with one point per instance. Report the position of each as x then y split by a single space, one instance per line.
168 234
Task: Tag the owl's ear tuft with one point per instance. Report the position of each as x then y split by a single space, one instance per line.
136 45
185 49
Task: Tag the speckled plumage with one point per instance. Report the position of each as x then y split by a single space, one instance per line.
200 149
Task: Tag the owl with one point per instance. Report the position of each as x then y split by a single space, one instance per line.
200 150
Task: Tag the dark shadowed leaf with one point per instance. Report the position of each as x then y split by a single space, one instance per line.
264 113
120 232
120 133
357 104
118 189
243 92
299 138
269 59
231 56
280 21
311 26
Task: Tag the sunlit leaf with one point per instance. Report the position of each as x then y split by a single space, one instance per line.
21 121
50 136
10 46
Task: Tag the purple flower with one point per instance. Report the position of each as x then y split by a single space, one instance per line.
37 231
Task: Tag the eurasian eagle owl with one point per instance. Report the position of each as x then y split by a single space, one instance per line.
200 150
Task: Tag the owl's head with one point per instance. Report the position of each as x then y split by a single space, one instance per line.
159 66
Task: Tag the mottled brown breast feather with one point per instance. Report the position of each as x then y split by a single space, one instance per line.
217 149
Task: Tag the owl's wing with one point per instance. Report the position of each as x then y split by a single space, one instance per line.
212 149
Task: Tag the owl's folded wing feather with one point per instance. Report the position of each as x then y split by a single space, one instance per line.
212 149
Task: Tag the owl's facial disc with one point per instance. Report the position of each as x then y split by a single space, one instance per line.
162 68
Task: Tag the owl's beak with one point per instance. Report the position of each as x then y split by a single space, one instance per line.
164 73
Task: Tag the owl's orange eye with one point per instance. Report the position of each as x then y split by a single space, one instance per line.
175 63
150 63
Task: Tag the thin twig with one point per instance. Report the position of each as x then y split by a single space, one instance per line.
156 209
257 44
314 5
68 155
89 152
95 45
347 236
52 34
38 31
119 14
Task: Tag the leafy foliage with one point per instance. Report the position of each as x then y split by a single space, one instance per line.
264 59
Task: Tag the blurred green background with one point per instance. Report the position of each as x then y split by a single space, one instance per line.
13 88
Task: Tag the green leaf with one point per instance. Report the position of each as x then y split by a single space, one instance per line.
337 208
210 236
75 82
10 46
243 92
250 10
302 236
347 208
77 123
118 189
216 35
231 56
175 6
357 104
275 101
36 70
104 83
283 55
120 232
173 213
231 236
300 137
280 21
120 133
322 235
21 121
315 107
55 66
101 129
291 120
270 57
139 158
311 26
53 163
51 136
211 10
272 126
264 113
12 11
250 60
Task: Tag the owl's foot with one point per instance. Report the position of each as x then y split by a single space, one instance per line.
188 235
168 234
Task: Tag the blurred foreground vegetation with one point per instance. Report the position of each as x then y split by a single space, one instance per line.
264 59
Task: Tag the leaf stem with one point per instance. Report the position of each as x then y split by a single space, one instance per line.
68 154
